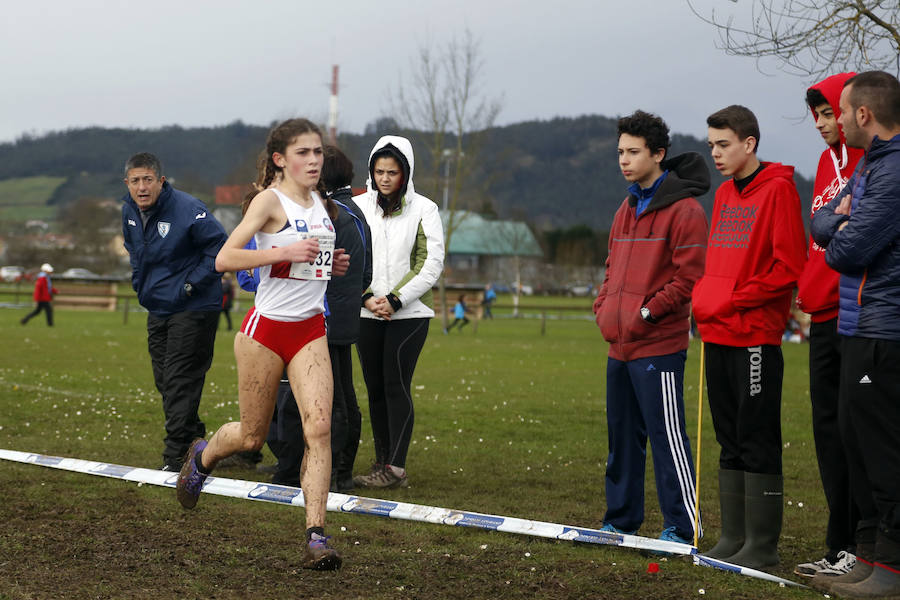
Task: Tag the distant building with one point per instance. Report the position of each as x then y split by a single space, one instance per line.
484 250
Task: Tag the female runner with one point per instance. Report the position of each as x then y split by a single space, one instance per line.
286 327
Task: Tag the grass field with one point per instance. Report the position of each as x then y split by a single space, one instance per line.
508 422
26 198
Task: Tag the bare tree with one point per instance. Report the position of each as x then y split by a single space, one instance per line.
815 37
445 98
516 239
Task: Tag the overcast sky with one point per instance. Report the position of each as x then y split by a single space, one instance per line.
202 63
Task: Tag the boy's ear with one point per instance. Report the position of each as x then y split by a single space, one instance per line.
659 155
750 144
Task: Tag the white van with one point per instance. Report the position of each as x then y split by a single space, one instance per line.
11 273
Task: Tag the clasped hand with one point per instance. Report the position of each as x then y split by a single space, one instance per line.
380 307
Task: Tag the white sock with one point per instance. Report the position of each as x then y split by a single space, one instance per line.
397 471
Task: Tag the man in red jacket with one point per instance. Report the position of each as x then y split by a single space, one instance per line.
43 295
656 251
818 296
756 252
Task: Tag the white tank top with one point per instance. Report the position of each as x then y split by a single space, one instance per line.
296 291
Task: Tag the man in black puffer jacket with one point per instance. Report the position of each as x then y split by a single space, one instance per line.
343 297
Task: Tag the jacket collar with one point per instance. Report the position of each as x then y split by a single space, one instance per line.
880 147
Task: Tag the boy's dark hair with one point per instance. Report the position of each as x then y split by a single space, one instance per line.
880 92
815 98
144 160
737 118
648 126
337 170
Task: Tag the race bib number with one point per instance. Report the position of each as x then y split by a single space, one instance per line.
319 269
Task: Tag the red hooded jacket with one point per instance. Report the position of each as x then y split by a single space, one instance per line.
818 293
654 261
43 292
757 248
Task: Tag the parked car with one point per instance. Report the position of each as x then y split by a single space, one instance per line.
580 289
525 289
78 273
11 273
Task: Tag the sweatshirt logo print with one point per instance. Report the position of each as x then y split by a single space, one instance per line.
828 194
733 226
163 228
200 216
865 379
755 370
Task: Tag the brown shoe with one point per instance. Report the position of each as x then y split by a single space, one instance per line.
320 556
883 583
823 582
383 478
358 479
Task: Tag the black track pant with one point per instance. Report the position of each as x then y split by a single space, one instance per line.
45 306
181 350
388 352
744 386
870 421
824 383
346 420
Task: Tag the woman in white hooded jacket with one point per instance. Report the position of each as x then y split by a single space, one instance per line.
407 259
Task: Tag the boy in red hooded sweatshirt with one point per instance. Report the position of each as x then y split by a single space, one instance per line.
818 296
756 252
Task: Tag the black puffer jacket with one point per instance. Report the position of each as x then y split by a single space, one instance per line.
344 293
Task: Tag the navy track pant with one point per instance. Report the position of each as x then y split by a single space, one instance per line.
645 400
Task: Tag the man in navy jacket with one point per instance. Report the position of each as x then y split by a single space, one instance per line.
860 232
172 242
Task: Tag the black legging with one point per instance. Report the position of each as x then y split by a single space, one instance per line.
388 351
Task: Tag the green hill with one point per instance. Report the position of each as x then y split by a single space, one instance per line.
25 198
557 173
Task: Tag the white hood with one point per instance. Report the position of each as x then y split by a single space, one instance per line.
405 147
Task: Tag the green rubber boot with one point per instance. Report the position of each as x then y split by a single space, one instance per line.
731 501
763 513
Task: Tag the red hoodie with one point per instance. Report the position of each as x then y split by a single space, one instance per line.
654 261
818 294
756 251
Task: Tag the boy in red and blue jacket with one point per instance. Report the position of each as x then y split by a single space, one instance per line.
656 251
756 253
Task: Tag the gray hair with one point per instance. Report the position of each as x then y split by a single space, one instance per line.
144 160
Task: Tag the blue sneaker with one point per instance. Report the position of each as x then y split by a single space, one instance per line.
610 528
320 556
669 535
190 480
